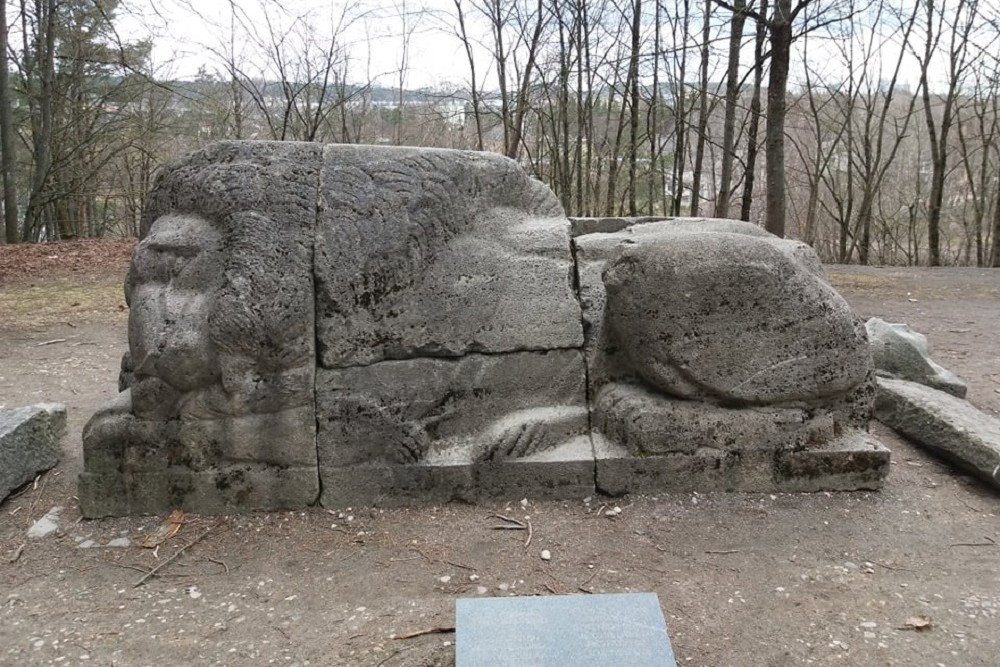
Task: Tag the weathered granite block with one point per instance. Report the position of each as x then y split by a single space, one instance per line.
679 304
435 253
681 297
29 443
212 466
648 424
852 460
218 414
706 469
944 424
901 353
433 413
566 471
398 324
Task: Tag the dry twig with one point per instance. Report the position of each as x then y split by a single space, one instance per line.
173 557
428 631
16 555
220 562
990 542
514 524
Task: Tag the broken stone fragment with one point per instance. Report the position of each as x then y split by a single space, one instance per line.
29 443
944 424
47 525
903 354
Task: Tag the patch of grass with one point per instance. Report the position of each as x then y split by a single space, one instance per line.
63 299
858 280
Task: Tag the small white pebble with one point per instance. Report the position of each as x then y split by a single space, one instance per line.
546 554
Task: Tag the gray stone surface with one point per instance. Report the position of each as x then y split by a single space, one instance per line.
648 424
218 411
478 407
566 471
582 226
29 443
944 424
625 630
46 525
678 305
605 356
211 466
395 324
901 353
434 414
433 253
852 460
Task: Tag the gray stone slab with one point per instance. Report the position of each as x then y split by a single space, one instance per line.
29 443
650 424
225 489
583 226
438 253
450 411
853 460
944 424
901 353
623 630
856 460
211 466
564 472
732 318
216 412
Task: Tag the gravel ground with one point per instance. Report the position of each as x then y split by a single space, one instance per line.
744 579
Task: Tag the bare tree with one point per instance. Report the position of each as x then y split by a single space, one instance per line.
702 131
7 160
732 100
940 110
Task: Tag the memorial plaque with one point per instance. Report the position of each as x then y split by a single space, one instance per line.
619 630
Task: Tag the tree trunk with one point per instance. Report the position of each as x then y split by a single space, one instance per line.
732 98
680 122
758 54
634 111
699 153
995 255
7 142
522 94
35 216
774 142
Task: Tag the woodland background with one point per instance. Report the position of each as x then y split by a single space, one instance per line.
868 129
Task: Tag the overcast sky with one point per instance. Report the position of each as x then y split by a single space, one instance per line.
187 32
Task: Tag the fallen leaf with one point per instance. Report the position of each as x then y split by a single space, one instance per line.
164 531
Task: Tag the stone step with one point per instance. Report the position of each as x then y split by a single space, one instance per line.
947 426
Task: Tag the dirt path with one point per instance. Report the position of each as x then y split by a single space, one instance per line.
744 580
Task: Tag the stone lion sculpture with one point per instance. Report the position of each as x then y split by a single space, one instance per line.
359 324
